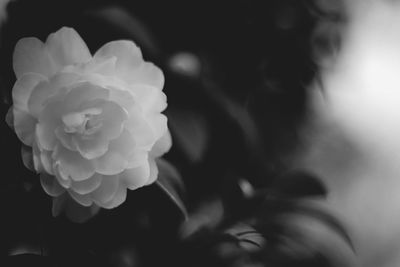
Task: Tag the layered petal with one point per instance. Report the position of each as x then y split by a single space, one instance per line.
23 88
147 73
31 55
49 121
162 146
151 99
111 119
72 165
140 129
118 155
47 161
153 171
91 147
64 181
51 90
27 157
87 186
67 48
136 177
129 56
118 198
84 200
51 185
106 191
158 123
24 126
80 96
37 163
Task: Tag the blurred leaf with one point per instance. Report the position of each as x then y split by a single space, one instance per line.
274 210
27 157
190 132
170 182
31 247
248 238
126 256
74 211
208 216
307 238
299 184
129 24
10 118
326 218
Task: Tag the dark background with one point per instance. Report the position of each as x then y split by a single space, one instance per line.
235 117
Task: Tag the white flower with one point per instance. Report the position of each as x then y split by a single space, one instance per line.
94 122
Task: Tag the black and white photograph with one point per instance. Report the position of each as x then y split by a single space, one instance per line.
242 133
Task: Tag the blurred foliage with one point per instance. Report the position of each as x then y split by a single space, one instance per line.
236 74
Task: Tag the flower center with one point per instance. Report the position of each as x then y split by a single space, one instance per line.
84 122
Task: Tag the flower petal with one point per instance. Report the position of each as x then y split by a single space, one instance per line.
27 157
158 122
91 147
151 99
51 185
148 74
127 53
124 98
72 164
67 48
117 156
83 95
110 163
10 118
37 163
23 88
47 90
106 191
30 55
118 198
48 123
162 145
24 126
84 200
65 139
140 129
103 66
87 186
47 162
111 118
136 177
63 181
153 171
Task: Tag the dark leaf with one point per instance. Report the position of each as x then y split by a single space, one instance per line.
170 182
130 25
326 218
190 133
308 210
10 118
248 238
207 217
299 184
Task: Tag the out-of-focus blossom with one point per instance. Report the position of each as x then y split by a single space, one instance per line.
94 122
355 144
3 9
186 64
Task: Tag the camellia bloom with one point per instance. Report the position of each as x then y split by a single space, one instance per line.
94 122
